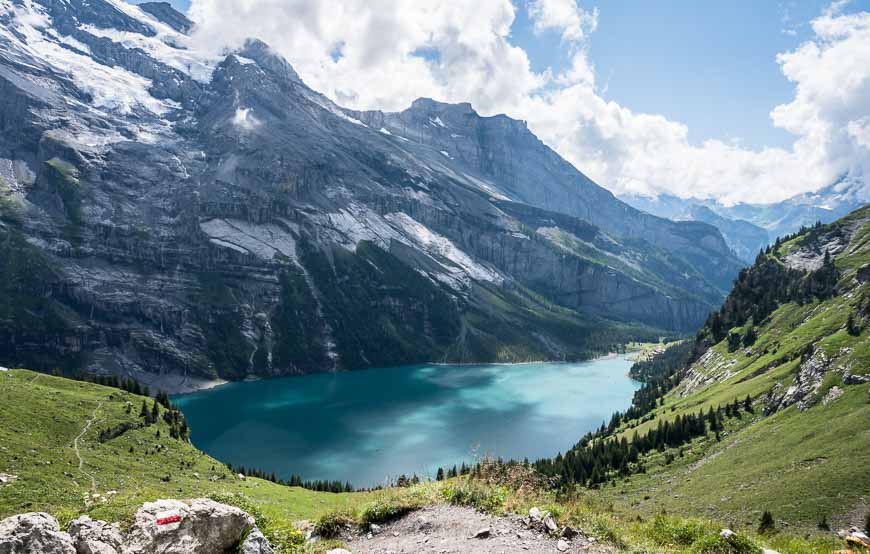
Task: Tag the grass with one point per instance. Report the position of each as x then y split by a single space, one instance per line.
41 415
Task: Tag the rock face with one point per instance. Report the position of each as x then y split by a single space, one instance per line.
256 543
178 217
96 537
198 526
33 532
203 526
803 391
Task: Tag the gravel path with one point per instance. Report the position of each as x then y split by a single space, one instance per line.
76 447
445 529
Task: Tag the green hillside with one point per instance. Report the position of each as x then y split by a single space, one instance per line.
42 416
807 459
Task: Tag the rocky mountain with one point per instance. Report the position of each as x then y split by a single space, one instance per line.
747 228
181 217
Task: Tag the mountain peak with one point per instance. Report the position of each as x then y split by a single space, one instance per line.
165 13
268 59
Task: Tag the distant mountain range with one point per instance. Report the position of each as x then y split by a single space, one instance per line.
749 227
181 217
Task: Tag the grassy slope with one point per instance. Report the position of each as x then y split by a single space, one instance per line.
802 466
40 416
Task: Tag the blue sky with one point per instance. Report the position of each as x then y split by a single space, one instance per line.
668 95
710 65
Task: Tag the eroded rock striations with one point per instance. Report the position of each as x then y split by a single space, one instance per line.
181 217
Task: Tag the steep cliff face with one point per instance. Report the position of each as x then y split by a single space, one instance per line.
167 213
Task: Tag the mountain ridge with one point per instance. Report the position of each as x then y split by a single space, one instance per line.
195 214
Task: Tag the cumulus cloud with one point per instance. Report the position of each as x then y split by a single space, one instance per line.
574 22
383 54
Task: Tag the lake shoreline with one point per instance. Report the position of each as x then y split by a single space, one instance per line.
201 385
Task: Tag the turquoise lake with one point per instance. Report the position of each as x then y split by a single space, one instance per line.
370 426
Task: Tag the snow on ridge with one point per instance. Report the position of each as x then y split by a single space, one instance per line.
437 122
112 88
168 47
441 246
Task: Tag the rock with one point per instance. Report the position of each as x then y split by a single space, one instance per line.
535 514
34 532
176 527
768 551
95 537
482 533
569 532
833 394
423 524
727 534
256 543
849 379
562 546
339 551
241 476
376 529
7 478
550 524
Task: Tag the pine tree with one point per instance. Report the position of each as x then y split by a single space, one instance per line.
747 404
767 524
851 327
144 411
440 475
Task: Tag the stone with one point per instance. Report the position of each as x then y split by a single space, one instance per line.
850 379
727 534
95 537
834 394
535 514
339 551
550 524
181 527
376 529
562 546
569 532
482 533
256 543
34 532
423 524
7 478
768 551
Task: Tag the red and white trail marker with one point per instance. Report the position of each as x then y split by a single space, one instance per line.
169 520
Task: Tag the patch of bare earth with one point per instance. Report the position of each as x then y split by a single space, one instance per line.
446 529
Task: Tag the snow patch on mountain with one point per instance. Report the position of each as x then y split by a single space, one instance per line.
443 248
263 241
111 88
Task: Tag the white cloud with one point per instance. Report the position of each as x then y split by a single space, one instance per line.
394 51
566 16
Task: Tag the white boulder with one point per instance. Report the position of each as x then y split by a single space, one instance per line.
96 537
182 527
33 532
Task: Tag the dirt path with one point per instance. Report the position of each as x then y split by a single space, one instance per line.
445 529
76 446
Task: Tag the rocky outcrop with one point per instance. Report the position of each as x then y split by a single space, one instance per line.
33 532
198 526
179 527
96 537
803 390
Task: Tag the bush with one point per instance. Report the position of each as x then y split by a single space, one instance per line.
387 509
331 525
476 495
767 524
736 544
823 524
666 530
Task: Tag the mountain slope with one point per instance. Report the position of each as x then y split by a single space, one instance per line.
197 217
793 337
